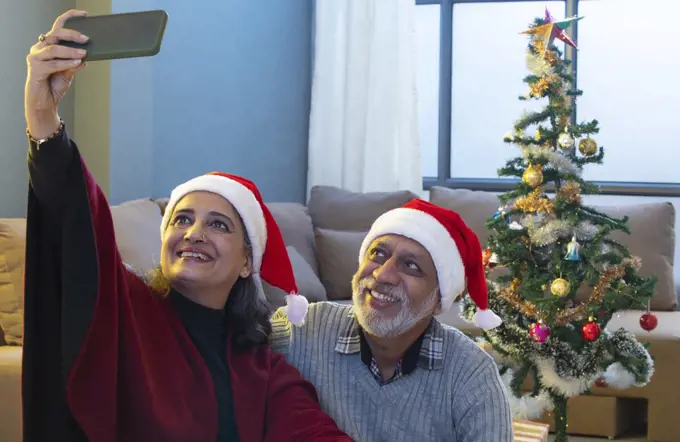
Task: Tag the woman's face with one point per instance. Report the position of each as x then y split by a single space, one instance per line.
204 250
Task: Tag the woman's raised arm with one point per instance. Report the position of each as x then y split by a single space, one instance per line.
77 290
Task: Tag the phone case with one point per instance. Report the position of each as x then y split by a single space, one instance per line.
116 36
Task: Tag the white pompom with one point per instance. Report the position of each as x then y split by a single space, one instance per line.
296 308
617 376
486 319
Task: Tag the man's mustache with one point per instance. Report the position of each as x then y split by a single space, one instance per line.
396 291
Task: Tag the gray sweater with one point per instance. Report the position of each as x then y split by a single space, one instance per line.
455 394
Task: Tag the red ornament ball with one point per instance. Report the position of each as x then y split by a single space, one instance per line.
648 321
539 332
600 382
590 331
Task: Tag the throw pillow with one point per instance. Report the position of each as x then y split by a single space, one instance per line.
136 224
307 282
340 209
12 258
296 229
338 256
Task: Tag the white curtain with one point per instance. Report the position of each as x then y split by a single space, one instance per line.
363 133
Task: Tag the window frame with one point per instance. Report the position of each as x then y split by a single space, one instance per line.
444 148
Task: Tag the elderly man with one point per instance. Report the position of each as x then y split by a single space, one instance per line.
385 369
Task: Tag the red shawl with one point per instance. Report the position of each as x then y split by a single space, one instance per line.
117 364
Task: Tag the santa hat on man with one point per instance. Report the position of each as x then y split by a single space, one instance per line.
271 262
454 248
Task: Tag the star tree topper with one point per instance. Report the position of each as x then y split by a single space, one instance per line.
553 29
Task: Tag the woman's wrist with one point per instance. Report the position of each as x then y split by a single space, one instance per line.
40 127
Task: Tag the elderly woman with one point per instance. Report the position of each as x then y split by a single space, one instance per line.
181 356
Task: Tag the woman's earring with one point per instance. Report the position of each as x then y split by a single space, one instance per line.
244 272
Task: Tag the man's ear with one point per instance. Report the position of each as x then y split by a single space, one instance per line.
438 308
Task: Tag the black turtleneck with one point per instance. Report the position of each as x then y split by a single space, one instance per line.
207 329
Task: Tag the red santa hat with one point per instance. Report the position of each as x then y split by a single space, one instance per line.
271 262
453 246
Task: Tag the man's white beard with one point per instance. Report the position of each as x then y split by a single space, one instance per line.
375 323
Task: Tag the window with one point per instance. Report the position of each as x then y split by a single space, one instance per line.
631 85
470 69
488 68
427 47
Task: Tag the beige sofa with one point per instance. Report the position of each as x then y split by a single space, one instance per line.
323 240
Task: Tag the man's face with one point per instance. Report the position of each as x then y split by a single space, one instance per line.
395 287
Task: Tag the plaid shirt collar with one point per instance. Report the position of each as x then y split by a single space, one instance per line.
430 357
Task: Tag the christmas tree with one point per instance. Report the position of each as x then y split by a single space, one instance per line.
558 276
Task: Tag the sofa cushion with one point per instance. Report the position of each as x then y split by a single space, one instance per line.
339 209
12 258
652 237
474 206
338 254
307 282
668 328
162 203
296 228
10 392
137 226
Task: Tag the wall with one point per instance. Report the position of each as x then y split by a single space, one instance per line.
21 21
131 156
231 92
91 89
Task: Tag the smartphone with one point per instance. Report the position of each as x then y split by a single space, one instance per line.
114 36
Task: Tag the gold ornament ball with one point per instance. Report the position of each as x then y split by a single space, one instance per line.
565 141
587 146
533 176
560 287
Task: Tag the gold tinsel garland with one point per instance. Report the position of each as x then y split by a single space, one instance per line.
527 308
535 202
551 57
544 84
540 86
539 45
578 313
570 192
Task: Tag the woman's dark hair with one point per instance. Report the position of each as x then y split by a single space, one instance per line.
248 314
247 310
